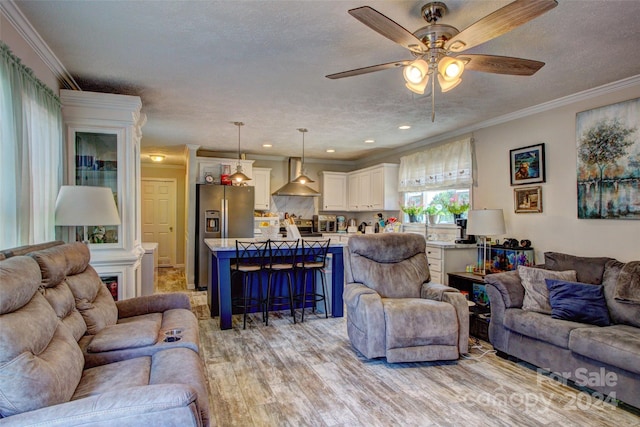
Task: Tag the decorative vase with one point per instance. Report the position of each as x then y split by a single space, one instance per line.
434 219
413 218
456 216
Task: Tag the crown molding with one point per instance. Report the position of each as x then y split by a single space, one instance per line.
22 25
605 89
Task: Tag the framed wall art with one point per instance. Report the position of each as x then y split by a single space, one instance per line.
608 161
527 165
527 199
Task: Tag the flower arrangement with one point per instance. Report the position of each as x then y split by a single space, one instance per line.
457 206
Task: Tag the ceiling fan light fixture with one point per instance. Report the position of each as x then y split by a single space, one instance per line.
419 87
446 85
416 72
450 68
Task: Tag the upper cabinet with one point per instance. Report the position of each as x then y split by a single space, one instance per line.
103 133
334 191
261 180
374 188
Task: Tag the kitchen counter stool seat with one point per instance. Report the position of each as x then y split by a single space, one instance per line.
249 263
281 261
314 260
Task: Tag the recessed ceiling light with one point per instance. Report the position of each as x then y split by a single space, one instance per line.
330 150
369 141
156 157
267 145
404 127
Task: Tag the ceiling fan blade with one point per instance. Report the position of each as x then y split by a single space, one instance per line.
388 28
370 69
501 64
499 22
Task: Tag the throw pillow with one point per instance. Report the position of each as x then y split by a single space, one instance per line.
536 294
578 302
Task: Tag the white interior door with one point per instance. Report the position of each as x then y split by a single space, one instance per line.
159 217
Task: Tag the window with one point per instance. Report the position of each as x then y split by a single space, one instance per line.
439 178
30 154
439 200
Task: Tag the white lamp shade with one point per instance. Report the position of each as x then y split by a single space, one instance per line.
418 87
416 71
86 205
485 222
450 68
447 85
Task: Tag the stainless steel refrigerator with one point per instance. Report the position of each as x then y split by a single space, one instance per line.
224 211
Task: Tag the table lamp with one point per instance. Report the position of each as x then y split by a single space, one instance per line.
483 223
86 205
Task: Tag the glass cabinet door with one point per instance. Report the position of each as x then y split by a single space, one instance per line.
96 164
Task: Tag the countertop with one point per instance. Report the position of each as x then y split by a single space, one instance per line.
450 245
230 244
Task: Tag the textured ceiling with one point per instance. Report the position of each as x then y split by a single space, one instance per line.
199 65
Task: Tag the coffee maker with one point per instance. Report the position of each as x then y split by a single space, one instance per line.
462 232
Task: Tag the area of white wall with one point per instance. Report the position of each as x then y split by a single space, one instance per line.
557 228
21 49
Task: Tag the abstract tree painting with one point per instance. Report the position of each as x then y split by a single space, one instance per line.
608 155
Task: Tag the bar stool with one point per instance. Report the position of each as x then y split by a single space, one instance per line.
314 260
249 263
281 262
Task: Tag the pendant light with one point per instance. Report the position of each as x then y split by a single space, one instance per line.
239 177
302 178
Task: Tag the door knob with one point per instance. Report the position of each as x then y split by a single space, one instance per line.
170 228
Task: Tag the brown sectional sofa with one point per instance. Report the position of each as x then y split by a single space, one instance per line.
603 358
70 355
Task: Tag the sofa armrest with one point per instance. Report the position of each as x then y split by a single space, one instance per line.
509 286
439 292
505 291
157 303
173 404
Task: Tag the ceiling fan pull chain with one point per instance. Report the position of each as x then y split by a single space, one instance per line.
433 98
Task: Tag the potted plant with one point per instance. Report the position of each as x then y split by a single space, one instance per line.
413 211
433 212
457 206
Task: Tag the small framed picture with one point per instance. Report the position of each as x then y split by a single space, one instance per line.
527 165
527 199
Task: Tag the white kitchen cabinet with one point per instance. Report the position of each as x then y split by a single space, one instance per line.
103 133
374 188
333 187
449 257
261 180
360 191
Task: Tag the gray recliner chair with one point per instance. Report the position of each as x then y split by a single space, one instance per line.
393 310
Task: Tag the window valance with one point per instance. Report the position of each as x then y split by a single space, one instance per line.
446 166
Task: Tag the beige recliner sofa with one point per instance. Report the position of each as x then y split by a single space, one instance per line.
70 355
393 310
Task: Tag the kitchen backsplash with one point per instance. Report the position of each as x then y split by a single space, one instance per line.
301 207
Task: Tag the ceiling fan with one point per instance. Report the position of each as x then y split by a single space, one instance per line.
436 47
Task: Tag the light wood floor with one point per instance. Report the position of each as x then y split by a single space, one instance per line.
308 375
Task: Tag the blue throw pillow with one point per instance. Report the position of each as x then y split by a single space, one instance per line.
579 302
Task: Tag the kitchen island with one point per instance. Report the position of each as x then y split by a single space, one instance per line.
222 251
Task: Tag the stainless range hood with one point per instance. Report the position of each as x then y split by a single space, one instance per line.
294 188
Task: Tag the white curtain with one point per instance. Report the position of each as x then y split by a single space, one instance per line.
446 166
31 147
